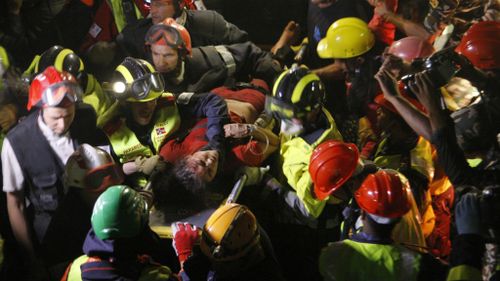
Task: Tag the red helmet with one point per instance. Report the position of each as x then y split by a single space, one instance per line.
332 164
384 194
170 33
481 44
382 101
51 87
410 48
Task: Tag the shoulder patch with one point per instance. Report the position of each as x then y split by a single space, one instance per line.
94 30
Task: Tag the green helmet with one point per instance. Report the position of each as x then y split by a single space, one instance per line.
137 81
120 212
296 92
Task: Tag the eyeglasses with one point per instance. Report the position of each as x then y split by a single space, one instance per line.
54 95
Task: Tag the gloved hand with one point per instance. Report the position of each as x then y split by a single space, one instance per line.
254 174
185 235
147 165
467 215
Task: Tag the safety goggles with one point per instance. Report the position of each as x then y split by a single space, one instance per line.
283 110
140 88
161 34
102 177
55 94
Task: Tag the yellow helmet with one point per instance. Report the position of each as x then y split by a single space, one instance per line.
136 80
230 233
346 38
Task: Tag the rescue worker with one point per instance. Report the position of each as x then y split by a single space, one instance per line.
297 103
233 247
337 172
111 18
478 133
66 60
32 171
206 27
120 245
88 172
9 108
150 116
371 254
188 69
436 218
353 46
401 149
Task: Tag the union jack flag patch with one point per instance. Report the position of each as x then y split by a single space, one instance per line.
160 131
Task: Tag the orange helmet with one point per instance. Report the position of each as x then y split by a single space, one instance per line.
51 87
410 48
230 233
332 164
480 44
170 33
385 194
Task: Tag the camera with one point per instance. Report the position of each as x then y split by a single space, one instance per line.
441 66
489 207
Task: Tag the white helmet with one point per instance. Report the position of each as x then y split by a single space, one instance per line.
91 168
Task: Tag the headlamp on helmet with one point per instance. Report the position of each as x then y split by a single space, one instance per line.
136 80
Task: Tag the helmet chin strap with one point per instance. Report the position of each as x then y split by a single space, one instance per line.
177 76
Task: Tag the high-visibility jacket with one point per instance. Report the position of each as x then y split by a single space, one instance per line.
420 160
295 153
110 19
150 272
124 142
352 260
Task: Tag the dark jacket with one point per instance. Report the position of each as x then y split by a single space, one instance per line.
42 168
206 68
205 28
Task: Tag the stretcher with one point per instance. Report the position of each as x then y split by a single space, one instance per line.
164 230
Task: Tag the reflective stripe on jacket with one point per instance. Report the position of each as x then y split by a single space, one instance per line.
295 153
351 260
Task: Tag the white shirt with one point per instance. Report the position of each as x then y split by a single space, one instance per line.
13 178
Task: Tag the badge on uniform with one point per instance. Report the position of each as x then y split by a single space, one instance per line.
94 30
160 131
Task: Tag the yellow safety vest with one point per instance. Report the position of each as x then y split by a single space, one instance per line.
125 143
295 153
117 9
350 260
105 105
421 161
420 157
149 273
